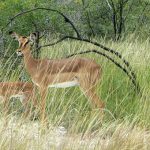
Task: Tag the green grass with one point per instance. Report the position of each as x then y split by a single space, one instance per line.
126 119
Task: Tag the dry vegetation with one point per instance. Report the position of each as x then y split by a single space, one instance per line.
113 136
72 122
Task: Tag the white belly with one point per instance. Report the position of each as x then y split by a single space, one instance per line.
65 84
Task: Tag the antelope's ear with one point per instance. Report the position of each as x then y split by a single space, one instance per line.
32 37
14 35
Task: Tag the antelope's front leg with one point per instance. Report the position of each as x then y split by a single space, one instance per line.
25 103
34 103
34 98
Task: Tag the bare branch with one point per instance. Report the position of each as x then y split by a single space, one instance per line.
47 9
126 63
136 85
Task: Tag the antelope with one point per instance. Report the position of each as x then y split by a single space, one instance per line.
59 73
22 90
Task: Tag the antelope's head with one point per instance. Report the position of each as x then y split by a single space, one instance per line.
24 42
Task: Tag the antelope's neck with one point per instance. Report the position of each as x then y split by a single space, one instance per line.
30 62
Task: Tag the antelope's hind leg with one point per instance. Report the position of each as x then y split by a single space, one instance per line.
88 84
90 93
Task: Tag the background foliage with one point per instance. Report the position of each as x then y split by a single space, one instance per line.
103 18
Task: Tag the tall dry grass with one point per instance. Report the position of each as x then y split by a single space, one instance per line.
73 124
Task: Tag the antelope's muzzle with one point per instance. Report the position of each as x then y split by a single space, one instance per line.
19 53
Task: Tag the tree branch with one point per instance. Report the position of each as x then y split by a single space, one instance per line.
135 83
126 63
113 13
36 45
47 9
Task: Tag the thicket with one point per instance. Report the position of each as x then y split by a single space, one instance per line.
102 18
